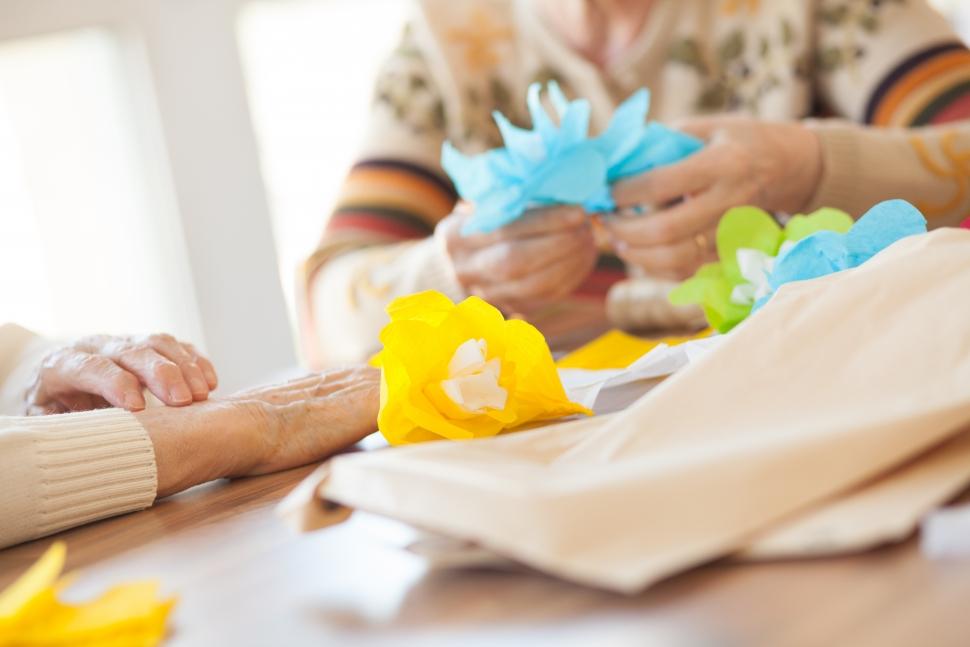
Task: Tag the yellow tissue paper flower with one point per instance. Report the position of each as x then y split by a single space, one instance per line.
128 615
463 371
616 349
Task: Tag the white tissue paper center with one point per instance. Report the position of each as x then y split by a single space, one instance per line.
472 381
755 266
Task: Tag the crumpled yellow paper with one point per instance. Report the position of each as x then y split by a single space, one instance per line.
617 349
462 371
127 615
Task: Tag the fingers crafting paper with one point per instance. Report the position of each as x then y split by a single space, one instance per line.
560 164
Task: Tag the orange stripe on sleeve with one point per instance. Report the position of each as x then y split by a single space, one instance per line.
886 114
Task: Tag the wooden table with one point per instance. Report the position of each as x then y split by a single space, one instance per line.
243 578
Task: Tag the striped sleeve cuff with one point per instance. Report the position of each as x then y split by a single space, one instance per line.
392 198
71 469
931 86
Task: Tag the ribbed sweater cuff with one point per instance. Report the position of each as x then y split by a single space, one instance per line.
86 466
863 166
841 154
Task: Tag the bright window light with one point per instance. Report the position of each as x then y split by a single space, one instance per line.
310 66
82 247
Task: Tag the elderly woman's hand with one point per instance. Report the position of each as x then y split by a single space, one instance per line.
541 258
263 430
775 166
102 371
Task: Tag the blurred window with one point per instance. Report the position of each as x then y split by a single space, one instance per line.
310 67
130 191
82 246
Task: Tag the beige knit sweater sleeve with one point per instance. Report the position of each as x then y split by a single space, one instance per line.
61 471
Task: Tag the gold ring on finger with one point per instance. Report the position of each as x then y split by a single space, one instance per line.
702 242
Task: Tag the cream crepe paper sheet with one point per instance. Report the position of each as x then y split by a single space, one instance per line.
885 510
880 512
835 383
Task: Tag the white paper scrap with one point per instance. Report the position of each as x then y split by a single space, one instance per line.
584 386
946 533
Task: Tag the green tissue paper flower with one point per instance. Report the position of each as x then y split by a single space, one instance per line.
748 241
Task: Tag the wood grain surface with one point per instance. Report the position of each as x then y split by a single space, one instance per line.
243 578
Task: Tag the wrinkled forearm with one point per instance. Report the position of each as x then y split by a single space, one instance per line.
929 167
200 443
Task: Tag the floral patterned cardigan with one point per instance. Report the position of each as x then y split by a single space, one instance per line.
886 84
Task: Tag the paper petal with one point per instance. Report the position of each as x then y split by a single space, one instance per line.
31 612
41 575
525 143
559 100
540 118
658 146
880 227
574 125
824 219
745 228
620 139
710 288
575 178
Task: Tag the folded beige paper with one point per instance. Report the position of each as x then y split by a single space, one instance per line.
882 511
886 510
835 382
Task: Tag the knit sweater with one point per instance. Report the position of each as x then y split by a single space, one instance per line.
886 86
61 471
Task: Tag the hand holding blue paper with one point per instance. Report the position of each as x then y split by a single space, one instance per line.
560 164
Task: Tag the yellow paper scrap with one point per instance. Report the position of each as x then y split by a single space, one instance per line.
129 615
617 349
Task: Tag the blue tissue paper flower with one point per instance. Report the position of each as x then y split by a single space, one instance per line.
561 164
825 252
